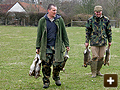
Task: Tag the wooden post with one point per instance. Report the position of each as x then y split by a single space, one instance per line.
71 22
6 21
24 22
118 22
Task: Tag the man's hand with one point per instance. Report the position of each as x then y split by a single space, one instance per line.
86 44
109 44
37 51
68 48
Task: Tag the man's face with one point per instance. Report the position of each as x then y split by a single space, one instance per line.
98 13
52 12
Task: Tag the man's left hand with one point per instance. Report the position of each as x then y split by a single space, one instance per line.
68 48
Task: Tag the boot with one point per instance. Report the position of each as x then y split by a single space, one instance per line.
94 68
99 66
58 83
46 85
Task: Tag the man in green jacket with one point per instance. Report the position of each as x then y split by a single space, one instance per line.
98 31
51 42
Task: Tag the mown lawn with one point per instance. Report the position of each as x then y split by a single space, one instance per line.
17 51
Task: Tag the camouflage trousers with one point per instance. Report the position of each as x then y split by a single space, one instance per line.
46 68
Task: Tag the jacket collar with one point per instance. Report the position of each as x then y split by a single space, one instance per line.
57 16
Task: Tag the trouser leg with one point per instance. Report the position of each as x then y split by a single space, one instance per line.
100 60
46 69
57 66
56 72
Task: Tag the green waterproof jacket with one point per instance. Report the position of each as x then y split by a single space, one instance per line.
98 31
61 39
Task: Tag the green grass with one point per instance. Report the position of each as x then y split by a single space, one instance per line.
17 51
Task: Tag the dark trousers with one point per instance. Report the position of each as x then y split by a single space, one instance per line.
46 68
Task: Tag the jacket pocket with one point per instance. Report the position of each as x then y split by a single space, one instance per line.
63 48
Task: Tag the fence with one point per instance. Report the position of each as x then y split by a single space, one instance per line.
114 23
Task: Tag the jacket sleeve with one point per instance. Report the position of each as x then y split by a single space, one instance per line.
88 31
39 34
64 34
109 32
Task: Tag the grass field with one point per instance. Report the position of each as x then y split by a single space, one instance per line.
17 51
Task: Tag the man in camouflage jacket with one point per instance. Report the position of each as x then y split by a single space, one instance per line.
98 31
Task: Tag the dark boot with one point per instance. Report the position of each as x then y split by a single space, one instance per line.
46 85
94 68
58 83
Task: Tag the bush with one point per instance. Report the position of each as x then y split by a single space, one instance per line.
81 17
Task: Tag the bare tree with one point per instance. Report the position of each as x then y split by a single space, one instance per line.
115 7
111 8
87 6
0 1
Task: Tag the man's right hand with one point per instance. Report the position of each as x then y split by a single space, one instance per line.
86 44
37 51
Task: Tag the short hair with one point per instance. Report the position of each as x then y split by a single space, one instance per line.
49 6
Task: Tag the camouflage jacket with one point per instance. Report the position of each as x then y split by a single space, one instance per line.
98 31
